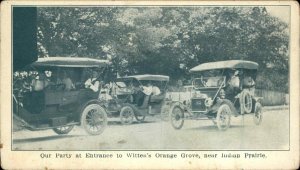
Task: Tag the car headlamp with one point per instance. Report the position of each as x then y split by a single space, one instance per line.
208 102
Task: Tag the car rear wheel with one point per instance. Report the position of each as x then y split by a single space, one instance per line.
63 129
223 117
94 119
257 116
126 115
177 117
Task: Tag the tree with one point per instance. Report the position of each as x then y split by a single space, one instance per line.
168 40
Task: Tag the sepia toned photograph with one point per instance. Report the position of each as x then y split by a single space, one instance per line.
150 81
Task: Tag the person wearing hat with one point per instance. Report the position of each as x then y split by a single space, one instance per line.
233 84
234 80
93 82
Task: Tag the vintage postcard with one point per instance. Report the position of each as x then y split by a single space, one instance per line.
149 85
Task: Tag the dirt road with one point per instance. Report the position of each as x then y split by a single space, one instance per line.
154 134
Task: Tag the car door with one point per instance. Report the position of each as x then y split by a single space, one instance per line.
69 101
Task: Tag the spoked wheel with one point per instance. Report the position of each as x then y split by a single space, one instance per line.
223 117
63 129
94 119
257 116
126 115
177 117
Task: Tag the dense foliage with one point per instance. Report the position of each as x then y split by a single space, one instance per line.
168 40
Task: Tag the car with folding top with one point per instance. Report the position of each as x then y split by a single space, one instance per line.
131 97
220 90
54 107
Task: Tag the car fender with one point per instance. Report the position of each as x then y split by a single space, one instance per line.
135 109
93 101
177 103
216 106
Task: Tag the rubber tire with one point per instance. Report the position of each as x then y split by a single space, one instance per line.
140 118
84 114
223 108
122 112
244 97
257 115
177 117
62 132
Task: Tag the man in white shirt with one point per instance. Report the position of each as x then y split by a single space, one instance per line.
93 83
155 91
235 80
150 89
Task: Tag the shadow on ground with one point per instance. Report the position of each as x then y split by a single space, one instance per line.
44 138
213 128
118 123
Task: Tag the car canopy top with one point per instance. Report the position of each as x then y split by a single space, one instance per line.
70 62
229 64
146 77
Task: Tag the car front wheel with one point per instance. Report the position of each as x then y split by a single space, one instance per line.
177 117
94 119
223 117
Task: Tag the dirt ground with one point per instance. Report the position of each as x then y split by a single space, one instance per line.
272 134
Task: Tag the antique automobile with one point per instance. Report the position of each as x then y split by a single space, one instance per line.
136 97
221 89
55 107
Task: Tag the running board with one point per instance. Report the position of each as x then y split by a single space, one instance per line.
33 128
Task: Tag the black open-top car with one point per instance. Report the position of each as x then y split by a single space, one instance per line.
56 106
137 96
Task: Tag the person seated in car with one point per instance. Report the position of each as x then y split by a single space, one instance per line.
105 92
37 96
155 90
148 91
40 82
233 84
66 81
234 79
248 81
93 84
